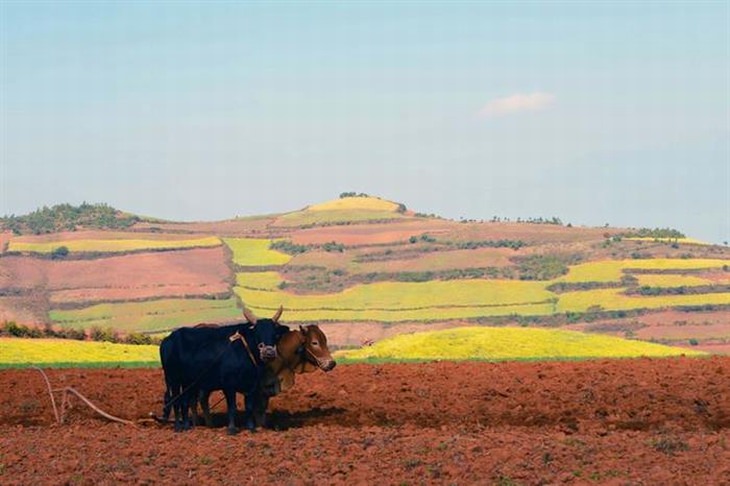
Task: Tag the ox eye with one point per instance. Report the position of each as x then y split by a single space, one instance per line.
315 343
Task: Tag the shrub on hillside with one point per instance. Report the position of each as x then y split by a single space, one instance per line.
655 233
286 246
59 253
11 328
97 333
545 267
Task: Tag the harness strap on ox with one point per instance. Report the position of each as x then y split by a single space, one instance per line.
236 336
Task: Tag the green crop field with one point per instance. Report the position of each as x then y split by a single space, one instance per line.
15 352
149 315
506 343
268 281
112 246
255 252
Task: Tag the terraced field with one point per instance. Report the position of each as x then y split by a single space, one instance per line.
674 280
396 301
460 299
357 261
613 270
121 245
615 299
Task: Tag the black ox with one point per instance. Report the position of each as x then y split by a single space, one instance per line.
231 358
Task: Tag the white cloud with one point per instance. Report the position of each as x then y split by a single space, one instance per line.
517 103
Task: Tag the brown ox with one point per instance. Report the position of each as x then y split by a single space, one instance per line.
300 351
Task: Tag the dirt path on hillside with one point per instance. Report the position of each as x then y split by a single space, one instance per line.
597 422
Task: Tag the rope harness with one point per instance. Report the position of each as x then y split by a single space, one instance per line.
236 336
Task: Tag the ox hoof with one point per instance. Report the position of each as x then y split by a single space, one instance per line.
232 430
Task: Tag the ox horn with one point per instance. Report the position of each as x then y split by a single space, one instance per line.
250 317
277 316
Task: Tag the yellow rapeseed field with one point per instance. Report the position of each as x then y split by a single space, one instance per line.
353 203
255 252
614 299
50 352
507 343
671 280
112 246
304 218
612 270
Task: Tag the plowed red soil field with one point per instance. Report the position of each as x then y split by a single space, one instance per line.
642 421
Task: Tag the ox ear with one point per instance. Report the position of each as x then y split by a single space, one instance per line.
302 329
250 317
277 316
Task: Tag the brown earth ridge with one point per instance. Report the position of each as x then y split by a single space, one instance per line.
616 422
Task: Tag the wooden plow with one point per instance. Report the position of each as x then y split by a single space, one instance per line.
66 403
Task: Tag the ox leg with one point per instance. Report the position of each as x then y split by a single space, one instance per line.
179 416
173 395
256 405
184 418
166 407
204 399
193 407
250 408
260 412
231 404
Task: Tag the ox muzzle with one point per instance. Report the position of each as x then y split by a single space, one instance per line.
267 353
325 364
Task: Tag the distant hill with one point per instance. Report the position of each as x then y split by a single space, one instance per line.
365 268
65 217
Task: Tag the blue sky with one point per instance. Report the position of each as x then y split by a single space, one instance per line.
595 112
